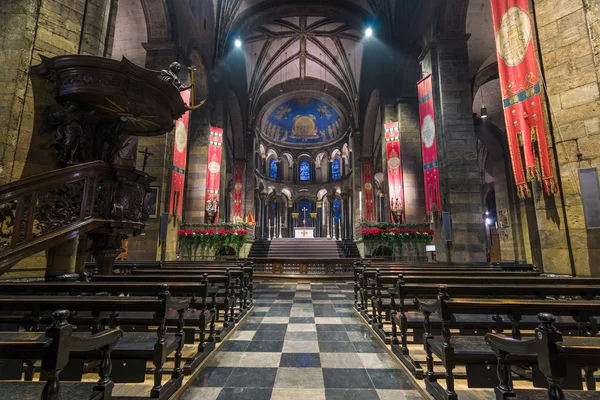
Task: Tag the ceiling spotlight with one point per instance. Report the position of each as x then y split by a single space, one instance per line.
369 32
238 43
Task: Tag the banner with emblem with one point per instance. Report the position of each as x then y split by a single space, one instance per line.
431 174
368 188
179 161
238 186
394 168
521 88
213 170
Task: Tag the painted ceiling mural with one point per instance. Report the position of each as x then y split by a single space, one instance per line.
304 120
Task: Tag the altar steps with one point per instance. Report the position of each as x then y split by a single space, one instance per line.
304 248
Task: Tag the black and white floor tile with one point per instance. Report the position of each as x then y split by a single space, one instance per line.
302 341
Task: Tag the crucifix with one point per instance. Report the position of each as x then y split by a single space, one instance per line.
146 155
304 210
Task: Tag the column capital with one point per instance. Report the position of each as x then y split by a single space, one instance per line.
444 39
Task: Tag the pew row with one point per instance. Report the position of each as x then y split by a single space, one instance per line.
135 348
473 351
199 319
54 348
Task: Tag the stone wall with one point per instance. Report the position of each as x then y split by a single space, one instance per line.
568 34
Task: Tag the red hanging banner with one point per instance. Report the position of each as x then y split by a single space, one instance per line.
213 170
238 186
394 166
368 187
431 174
179 161
520 86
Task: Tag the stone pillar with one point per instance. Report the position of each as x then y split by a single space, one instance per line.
412 161
447 60
290 209
329 169
356 183
295 172
263 218
195 190
319 227
61 260
344 165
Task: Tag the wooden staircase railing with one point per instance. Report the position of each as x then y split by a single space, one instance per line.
44 210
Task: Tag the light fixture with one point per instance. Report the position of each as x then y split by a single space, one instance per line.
238 43
369 32
488 221
483 112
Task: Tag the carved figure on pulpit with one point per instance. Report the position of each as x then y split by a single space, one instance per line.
171 76
69 142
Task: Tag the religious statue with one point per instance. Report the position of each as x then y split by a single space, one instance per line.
397 211
69 142
212 206
171 76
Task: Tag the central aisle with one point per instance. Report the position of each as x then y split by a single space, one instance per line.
302 341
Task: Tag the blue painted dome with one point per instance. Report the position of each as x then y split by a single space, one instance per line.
304 120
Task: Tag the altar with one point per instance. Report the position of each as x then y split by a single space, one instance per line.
304 232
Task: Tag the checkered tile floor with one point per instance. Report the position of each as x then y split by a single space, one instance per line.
302 341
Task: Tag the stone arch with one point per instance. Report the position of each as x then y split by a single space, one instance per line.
158 20
452 17
322 166
287 163
370 122
131 31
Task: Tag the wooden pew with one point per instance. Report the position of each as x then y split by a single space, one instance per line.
472 350
200 318
402 320
223 283
242 279
54 349
554 353
370 282
140 346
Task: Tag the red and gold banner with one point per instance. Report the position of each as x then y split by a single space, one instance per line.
179 161
394 166
238 186
368 188
431 174
213 169
520 86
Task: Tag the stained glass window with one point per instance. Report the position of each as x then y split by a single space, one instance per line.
337 207
335 169
305 171
273 169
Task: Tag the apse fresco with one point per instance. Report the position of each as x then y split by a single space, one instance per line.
304 120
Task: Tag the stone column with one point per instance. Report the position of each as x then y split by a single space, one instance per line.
290 209
294 172
263 218
344 165
447 60
319 227
412 161
329 169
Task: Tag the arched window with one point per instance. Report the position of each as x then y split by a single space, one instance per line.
335 169
337 209
305 171
273 169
